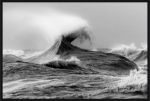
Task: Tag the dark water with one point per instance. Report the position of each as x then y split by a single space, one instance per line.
84 75
74 84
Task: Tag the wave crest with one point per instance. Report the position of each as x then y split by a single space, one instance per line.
46 32
131 51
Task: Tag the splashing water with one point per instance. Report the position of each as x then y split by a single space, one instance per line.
56 31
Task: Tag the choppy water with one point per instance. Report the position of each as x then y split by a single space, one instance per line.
78 86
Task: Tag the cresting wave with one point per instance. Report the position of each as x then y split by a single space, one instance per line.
54 28
62 45
132 52
60 36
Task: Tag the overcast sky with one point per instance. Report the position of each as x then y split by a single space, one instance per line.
112 23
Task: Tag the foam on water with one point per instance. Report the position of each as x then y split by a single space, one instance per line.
130 47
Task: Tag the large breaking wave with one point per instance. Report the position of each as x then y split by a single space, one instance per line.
56 29
62 45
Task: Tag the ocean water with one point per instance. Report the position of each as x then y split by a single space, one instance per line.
63 69
24 81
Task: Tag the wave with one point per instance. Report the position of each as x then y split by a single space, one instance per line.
137 79
131 51
51 32
11 58
61 46
64 34
47 26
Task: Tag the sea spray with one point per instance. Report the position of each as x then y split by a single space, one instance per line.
48 25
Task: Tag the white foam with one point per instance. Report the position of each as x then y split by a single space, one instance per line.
73 59
94 49
135 78
124 47
13 52
144 46
132 46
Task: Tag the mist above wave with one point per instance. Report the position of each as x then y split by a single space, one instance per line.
39 29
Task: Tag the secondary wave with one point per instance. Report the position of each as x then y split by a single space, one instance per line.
131 51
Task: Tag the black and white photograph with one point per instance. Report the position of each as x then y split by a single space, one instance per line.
80 50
